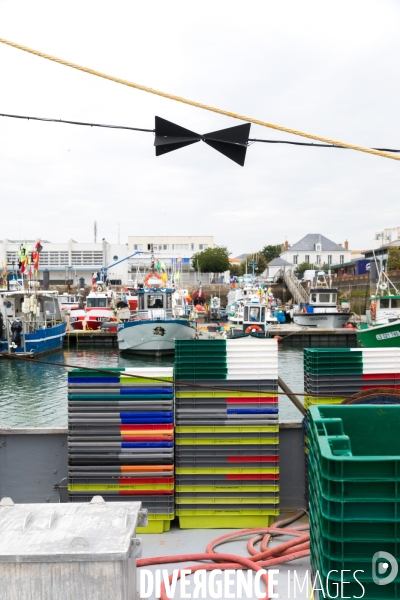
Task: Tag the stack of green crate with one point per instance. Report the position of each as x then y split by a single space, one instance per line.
354 453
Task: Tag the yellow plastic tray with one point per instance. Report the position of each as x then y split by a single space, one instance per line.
225 441
225 471
108 487
312 401
227 488
157 381
157 524
230 429
189 520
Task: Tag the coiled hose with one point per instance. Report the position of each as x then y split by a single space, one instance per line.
298 547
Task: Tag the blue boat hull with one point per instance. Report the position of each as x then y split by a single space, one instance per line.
41 341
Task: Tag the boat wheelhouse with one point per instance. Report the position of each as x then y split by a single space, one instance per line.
383 330
383 327
322 310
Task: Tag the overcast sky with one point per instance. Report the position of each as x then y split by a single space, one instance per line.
330 68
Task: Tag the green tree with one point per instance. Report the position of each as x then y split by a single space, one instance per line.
235 270
260 264
393 258
212 260
271 252
305 266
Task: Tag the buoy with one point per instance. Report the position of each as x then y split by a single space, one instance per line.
278 337
349 326
253 328
199 307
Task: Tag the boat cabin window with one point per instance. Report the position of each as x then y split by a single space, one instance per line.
155 301
324 297
169 301
49 308
96 302
389 303
313 297
333 298
141 301
251 313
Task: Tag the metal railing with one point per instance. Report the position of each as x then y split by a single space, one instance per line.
278 276
294 286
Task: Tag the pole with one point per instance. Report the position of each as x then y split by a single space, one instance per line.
285 388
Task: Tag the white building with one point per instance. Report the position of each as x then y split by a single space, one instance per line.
277 264
390 234
317 250
174 251
70 261
177 245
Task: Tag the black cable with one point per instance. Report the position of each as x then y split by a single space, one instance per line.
316 145
77 123
153 131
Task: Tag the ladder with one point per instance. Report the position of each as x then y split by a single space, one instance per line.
294 286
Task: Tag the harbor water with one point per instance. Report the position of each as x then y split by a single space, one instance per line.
35 394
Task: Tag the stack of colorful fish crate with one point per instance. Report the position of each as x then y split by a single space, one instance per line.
333 374
355 499
227 452
121 439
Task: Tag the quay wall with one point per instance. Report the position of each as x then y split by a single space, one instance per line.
34 464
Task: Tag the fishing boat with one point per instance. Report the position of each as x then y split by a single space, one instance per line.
322 310
383 329
215 308
236 312
70 302
158 323
102 306
31 323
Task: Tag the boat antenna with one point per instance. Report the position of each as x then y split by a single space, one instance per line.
152 258
382 273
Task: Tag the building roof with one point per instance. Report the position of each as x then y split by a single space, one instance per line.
342 265
308 243
279 262
242 256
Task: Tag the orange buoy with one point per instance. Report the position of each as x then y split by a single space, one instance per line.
278 337
253 328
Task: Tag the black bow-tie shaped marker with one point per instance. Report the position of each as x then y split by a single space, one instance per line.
231 142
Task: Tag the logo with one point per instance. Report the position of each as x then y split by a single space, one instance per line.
381 561
159 331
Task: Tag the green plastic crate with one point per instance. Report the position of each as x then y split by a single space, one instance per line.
356 442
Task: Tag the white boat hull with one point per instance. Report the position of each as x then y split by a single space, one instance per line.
153 336
328 320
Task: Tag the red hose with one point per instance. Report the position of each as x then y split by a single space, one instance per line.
296 548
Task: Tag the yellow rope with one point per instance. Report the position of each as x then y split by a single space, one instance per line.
200 105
